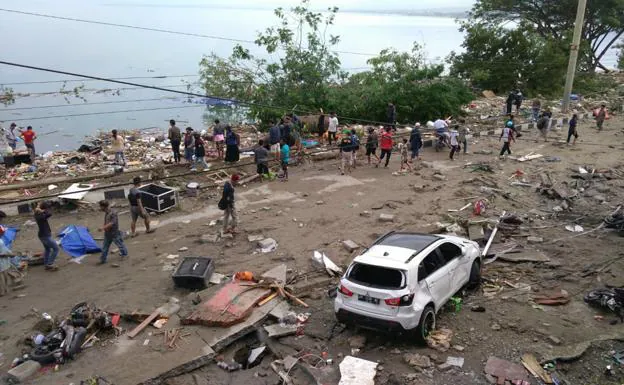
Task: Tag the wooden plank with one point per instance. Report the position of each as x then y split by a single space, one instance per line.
152 317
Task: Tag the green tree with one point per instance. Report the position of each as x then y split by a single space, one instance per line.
554 20
501 59
7 96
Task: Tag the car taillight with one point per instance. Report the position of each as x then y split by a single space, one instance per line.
405 300
346 291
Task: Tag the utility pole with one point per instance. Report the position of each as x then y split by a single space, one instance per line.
574 49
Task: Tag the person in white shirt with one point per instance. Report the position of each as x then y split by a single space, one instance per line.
454 134
332 128
118 146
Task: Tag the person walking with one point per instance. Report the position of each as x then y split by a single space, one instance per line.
415 142
175 137
601 116
518 98
118 147
111 233
218 135
463 135
372 142
506 136
509 102
51 249
11 138
285 158
542 125
332 129
189 146
386 147
228 205
572 131
200 152
355 140
321 126
29 137
274 140
391 116
536 107
454 135
404 149
346 153
232 141
261 158
136 208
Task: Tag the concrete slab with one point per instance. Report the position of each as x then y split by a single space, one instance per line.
277 330
524 256
356 371
278 273
280 311
350 246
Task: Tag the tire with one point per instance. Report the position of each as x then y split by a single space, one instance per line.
42 356
426 325
475 274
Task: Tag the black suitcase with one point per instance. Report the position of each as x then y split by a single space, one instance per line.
193 273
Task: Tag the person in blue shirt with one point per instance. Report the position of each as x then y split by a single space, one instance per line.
285 157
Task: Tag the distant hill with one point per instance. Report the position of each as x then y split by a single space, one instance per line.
456 13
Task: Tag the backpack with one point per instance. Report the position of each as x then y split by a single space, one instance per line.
222 205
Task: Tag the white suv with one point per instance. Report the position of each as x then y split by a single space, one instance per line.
404 279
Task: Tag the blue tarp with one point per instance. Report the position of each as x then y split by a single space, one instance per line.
77 241
9 236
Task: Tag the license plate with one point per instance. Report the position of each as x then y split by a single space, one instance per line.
365 298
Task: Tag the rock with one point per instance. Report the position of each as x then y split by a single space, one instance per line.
459 348
439 177
554 340
255 238
266 243
444 367
436 359
600 198
495 326
350 246
320 203
386 218
535 239
365 214
395 351
475 233
209 238
419 188
266 208
417 360
227 236
357 342
183 248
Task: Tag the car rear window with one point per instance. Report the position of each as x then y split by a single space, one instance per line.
377 276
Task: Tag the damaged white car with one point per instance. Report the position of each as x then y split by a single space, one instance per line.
404 279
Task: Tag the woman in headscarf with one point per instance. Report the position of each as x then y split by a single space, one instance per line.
232 141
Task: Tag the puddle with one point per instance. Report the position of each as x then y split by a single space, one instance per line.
340 181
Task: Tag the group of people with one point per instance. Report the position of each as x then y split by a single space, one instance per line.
28 136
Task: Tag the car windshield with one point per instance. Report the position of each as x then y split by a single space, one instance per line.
377 276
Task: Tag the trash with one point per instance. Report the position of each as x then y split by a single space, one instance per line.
455 361
456 302
52 187
255 356
607 299
535 239
322 260
386 218
76 191
574 228
77 241
479 207
417 361
230 367
183 248
531 364
478 309
505 370
552 299
267 245
356 371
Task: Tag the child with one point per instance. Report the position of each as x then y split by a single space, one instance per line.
572 129
404 156
285 156
200 152
506 137
261 157
372 142
346 153
454 141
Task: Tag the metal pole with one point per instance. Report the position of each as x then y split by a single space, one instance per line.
574 48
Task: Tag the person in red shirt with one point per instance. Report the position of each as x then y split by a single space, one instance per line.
29 137
386 144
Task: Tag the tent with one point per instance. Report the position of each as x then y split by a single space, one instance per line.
77 241
9 236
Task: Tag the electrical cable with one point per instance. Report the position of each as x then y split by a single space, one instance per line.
91 80
87 104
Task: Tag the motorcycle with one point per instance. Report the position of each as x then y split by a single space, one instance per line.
442 142
59 345
608 299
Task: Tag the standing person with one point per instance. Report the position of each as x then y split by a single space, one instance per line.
285 158
175 137
11 138
227 204
454 134
200 152
536 107
189 146
542 125
218 134
372 142
355 139
403 147
51 249
463 135
261 158
518 98
572 129
332 129
111 233
601 116
286 129
118 146
416 142
441 127
506 137
386 146
321 126
275 138
509 102
232 142
391 116
346 153
29 137
136 207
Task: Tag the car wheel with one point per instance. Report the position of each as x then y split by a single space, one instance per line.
475 274
427 324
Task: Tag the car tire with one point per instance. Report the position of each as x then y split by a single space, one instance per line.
475 274
426 325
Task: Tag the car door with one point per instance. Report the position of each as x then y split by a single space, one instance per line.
433 275
457 273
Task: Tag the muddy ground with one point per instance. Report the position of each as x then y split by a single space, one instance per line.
317 209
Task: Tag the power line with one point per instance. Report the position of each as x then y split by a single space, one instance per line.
86 104
155 29
91 80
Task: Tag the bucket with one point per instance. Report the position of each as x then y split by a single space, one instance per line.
192 189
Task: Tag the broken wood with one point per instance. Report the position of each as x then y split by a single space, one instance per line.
489 242
267 299
531 364
134 332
